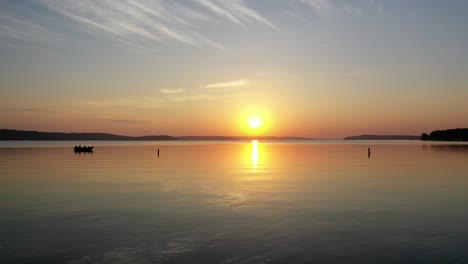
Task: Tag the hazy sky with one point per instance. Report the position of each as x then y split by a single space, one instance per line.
317 68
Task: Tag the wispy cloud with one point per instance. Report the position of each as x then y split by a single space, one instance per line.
141 102
26 109
12 28
323 8
144 25
202 97
137 24
235 11
229 84
215 8
172 91
328 8
140 24
157 102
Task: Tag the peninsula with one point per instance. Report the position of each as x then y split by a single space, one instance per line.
11 134
457 134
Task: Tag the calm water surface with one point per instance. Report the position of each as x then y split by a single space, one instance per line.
234 202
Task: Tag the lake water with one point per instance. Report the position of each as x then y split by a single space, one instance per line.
234 202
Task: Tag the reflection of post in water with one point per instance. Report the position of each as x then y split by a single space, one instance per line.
255 154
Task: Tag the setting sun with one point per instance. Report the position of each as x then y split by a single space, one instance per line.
255 122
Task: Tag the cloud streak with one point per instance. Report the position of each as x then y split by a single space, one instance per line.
329 8
12 28
322 8
157 102
144 25
140 24
172 91
235 11
229 84
26 109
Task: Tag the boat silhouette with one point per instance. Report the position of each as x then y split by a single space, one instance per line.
79 149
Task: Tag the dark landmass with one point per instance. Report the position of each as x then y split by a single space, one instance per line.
206 138
457 134
10 134
382 137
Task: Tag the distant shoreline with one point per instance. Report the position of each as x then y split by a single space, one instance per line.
383 137
459 134
455 134
24 135
448 135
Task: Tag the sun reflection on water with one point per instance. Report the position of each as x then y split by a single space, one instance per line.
255 155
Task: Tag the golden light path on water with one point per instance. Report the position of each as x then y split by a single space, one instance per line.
256 162
255 155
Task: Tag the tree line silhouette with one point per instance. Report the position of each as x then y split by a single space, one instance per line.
457 134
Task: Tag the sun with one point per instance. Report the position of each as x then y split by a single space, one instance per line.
255 122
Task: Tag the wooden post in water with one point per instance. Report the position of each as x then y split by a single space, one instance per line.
158 152
368 152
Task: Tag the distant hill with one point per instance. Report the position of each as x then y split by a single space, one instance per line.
382 137
457 134
11 134
206 138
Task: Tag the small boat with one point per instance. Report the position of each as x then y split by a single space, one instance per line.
79 149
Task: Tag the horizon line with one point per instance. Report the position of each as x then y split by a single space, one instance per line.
229 137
